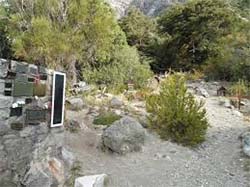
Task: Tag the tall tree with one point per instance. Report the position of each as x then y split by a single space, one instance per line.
192 31
5 46
64 33
140 29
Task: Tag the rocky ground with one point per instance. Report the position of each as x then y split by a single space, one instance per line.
218 162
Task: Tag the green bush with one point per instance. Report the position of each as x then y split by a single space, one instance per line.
106 118
125 66
175 114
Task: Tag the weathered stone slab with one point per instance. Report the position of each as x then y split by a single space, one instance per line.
5 104
2 86
3 68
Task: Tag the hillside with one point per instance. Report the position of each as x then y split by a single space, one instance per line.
149 7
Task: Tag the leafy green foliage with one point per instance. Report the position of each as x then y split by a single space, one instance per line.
139 29
64 34
106 118
175 114
242 6
233 61
125 66
5 46
192 31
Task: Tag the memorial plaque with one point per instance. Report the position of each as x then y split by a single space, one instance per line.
58 99
35 115
8 87
21 77
28 100
22 89
16 111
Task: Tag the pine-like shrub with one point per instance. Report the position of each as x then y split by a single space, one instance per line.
175 114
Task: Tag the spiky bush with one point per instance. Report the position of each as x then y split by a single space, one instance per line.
175 114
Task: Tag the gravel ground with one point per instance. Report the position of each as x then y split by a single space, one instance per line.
218 162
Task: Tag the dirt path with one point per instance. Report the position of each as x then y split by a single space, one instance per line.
217 163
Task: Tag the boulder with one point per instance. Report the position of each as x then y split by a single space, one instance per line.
75 103
123 136
115 102
91 181
246 143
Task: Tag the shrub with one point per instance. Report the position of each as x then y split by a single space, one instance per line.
124 67
175 114
106 118
239 89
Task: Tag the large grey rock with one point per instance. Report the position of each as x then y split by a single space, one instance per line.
123 136
246 143
75 103
91 181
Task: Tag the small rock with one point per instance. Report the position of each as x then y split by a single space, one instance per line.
115 102
75 103
91 181
226 103
202 92
237 113
246 143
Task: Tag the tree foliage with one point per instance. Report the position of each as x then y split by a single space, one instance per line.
139 29
5 45
62 33
125 66
192 31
